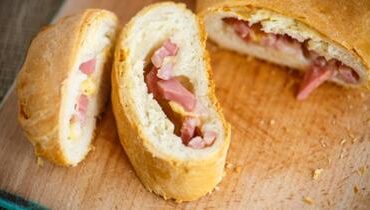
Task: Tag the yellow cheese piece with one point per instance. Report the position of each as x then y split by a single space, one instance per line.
177 108
74 131
88 86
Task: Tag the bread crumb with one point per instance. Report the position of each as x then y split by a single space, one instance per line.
348 127
362 170
355 189
308 200
323 144
342 153
351 135
217 188
272 122
238 169
329 203
285 129
316 173
343 141
39 162
362 95
329 161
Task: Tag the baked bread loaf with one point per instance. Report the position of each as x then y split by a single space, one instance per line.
63 85
169 121
329 40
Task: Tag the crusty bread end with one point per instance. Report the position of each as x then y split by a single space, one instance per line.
277 17
48 83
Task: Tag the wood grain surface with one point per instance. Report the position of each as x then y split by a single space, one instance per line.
277 145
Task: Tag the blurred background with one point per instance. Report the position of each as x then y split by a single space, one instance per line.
20 20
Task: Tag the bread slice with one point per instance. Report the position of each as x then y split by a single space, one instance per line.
63 85
162 161
336 30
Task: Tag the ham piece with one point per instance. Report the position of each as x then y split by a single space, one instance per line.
173 90
347 74
161 83
151 80
168 49
209 137
188 134
188 129
83 102
240 27
88 67
165 72
314 77
197 143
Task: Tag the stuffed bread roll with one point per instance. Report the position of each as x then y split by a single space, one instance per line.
169 121
63 85
328 40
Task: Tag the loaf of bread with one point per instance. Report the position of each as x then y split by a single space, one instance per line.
169 120
64 85
328 40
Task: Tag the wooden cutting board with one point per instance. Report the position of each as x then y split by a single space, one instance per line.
277 144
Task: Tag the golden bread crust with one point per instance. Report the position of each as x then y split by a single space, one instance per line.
41 81
164 175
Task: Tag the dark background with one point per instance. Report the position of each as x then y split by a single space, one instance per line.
20 20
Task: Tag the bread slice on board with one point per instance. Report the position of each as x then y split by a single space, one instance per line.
64 85
330 35
167 164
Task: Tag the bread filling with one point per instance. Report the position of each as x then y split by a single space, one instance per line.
176 98
87 89
319 69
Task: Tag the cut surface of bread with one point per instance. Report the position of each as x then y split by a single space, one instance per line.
166 163
302 35
63 85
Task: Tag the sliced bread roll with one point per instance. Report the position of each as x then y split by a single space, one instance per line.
329 40
63 85
169 121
